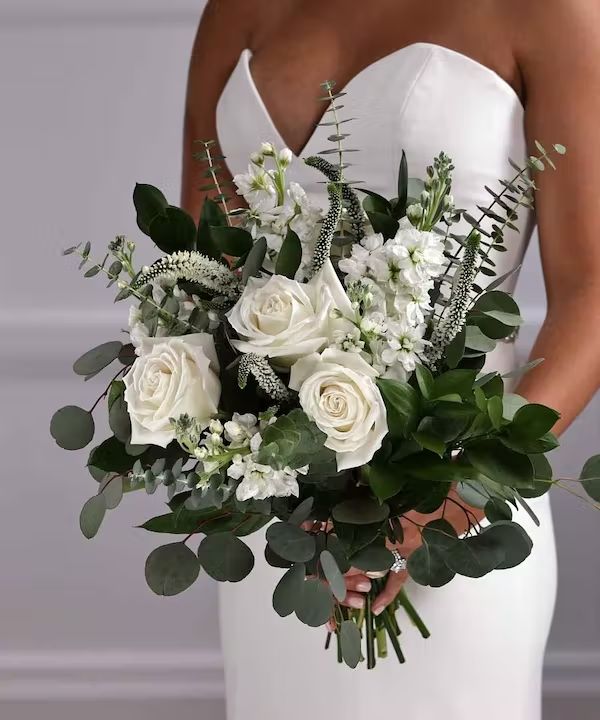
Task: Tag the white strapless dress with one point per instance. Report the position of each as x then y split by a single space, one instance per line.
488 636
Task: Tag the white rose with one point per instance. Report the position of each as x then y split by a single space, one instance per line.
338 393
285 320
171 377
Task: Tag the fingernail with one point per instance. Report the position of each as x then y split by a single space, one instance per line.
356 602
363 586
378 610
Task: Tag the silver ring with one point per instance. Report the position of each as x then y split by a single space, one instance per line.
399 564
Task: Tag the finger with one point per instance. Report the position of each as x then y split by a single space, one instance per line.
376 574
354 600
354 571
359 583
389 593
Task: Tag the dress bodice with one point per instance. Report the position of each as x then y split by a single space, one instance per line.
423 99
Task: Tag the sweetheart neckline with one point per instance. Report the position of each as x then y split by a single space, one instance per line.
502 83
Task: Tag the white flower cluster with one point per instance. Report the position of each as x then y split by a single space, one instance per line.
388 282
276 206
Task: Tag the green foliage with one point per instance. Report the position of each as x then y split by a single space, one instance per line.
350 642
171 569
72 427
314 605
590 477
212 520
289 590
225 557
289 256
211 217
234 241
373 558
95 360
500 464
360 511
402 403
333 575
254 260
169 227
291 542
92 515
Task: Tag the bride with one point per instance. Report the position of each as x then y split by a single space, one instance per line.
480 81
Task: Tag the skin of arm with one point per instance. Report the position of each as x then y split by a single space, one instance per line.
559 61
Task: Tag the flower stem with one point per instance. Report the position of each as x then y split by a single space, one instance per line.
412 613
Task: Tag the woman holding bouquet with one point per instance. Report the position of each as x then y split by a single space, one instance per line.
481 81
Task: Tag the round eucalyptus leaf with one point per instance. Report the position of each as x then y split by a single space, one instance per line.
475 556
350 640
360 511
373 558
512 539
274 560
301 512
333 575
338 550
314 605
92 515
426 566
590 477
290 542
72 427
288 590
472 495
97 358
225 557
171 569
118 419
112 489
496 510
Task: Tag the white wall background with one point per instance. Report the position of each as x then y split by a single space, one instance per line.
91 101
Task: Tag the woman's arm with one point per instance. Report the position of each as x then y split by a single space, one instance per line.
560 62
224 31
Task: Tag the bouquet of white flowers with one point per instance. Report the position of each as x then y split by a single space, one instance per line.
320 373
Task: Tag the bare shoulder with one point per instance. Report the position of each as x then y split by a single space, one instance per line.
232 20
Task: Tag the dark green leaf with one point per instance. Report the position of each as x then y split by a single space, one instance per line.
225 557
92 514
458 382
173 231
456 349
234 241
98 358
425 380
72 427
590 477
149 203
333 575
171 569
512 539
314 606
289 590
360 511
350 642
403 406
112 489
118 419
373 558
496 510
500 463
475 556
384 224
531 422
290 542
400 208
301 512
211 216
255 259
289 256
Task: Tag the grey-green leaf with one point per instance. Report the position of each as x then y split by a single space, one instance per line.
171 569
72 427
97 358
288 590
92 515
315 603
290 542
112 489
333 575
225 557
350 640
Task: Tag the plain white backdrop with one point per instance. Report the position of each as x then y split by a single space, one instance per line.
91 101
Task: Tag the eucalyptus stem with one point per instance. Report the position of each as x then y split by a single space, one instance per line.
388 621
211 168
414 616
369 620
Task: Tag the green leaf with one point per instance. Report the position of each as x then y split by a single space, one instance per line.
531 422
456 349
149 203
506 318
497 510
211 216
360 511
590 477
183 522
174 230
112 489
171 569
314 605
426 565
484 309
234 241
500 463
384 224
289 256
386 480
72 427
355 537
475 556
118 419
225 557
289 590
373 558
544 444
290 542
495 409
111 456
255 259
452 382
375 203
403 406
92 515
476 340
400 208
511 403
424 380
301 512
350 643
515 543
430 442
333 575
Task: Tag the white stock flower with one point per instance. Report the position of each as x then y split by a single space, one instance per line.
282 319
405 345
171 377
338 393
241 428
418 254
257 188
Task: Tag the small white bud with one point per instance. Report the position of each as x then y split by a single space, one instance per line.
216 426
257 159
267 149
285 156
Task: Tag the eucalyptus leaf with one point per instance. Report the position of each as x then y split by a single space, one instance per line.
92 515
373 558
112 489
350 642
590 477
289 590
333 575
225 557
290 542
314 606
363 511
72 427
171 569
